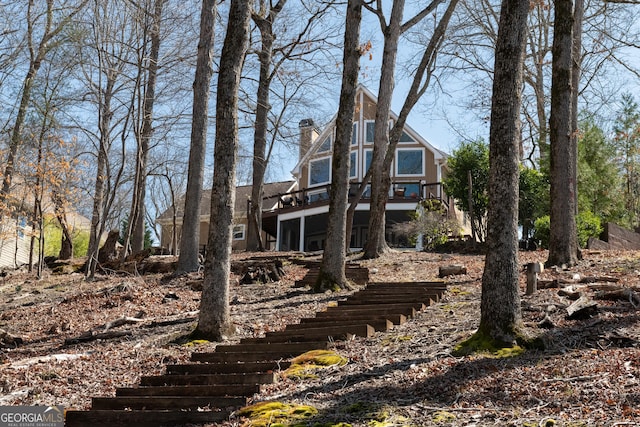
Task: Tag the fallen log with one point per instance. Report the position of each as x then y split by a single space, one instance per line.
623 294
584 307
451 270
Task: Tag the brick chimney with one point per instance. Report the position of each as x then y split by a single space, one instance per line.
308 134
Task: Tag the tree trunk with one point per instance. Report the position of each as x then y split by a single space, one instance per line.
190 238
563 241
377 245
332 270
501 319
380 181
215 319
97 217
134 238
263 106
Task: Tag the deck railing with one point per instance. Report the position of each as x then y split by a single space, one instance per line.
403 191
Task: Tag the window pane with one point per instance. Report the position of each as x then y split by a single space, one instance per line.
368 155
238 232
325 146
354 134
319 171
405 137
353 171
370 131
410 162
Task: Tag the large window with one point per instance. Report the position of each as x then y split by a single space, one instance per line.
410 162
320 171
353 167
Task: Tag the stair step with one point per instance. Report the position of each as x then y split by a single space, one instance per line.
225 368
312 332
191 390
250 356
209 379
377 308
378 324
158 418
387 299
288 348
396 319
435 285
166 402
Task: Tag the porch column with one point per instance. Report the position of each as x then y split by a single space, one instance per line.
301 244
278 236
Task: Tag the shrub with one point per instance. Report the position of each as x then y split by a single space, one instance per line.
431 222
588 225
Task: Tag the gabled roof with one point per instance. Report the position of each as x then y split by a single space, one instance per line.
243 193
438 154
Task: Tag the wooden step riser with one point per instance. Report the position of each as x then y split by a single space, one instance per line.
287 347
214 379
396 319
397 285
225 368
347 311
170 402
397 292
380 324
301 335
230 357
172 418
427 301
195 390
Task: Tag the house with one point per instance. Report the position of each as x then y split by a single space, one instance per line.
295 212
272 191
416 173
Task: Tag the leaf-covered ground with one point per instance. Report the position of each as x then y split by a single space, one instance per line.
588 375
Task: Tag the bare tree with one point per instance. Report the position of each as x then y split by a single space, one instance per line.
332 270
147 65
385 142
53 21
563 240
189 240
272 59
214 322
110 46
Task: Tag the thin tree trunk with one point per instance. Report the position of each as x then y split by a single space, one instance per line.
215 318
380 180
190 236
563 243
501 319
332 270
254 242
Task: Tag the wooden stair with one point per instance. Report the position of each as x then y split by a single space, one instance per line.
216 383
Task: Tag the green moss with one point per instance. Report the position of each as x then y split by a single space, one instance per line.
276 414
194 343
482 343
458 291
401 338
443 417
304 366
548 423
